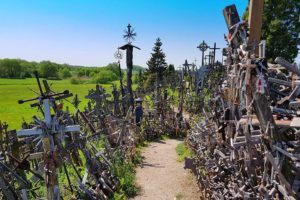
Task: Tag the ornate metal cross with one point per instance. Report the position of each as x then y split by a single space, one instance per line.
203 47
129 35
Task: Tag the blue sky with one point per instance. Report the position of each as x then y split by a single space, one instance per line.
87 32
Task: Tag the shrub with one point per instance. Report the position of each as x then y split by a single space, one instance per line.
150 80
81 73
104 76
65 73
125 170
48 69
75 81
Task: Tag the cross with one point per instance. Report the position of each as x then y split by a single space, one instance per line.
129 34
186 65
98 96
47 130
214 54
203 47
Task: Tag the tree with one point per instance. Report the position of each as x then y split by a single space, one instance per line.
280 28
65 73
48 69
140 77
81 73
171 68
10 68
157 62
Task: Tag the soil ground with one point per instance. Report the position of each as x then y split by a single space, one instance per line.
162 177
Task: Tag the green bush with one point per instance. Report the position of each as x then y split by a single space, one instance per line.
125 171
104 76
48 69
150 80
65 73
75 81
81 73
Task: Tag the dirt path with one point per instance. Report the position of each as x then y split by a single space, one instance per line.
162 177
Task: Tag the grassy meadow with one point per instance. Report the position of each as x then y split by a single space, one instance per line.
12 90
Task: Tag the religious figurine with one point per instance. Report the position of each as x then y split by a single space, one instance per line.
138 111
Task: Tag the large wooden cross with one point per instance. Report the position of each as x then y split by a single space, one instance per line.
47 132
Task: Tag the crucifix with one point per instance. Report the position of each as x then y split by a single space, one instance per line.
47 131
99 97
129 36
203 47
214 54
186 66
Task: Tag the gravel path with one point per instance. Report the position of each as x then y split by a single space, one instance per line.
162 177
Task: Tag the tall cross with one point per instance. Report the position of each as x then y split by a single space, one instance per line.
203 47
214 54
50 127
47 131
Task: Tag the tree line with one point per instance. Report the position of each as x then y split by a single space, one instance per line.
18 68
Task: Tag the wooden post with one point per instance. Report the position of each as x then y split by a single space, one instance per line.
129 57
255 23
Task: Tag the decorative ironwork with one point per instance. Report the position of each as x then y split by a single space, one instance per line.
118 55
129 34
203 47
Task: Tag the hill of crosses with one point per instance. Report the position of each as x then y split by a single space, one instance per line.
219 130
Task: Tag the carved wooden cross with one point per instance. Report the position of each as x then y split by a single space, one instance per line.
47 132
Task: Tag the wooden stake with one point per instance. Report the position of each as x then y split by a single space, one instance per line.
255 23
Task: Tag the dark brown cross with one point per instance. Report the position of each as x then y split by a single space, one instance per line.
203 47
214 54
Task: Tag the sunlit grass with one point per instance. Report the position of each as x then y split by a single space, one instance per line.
12 90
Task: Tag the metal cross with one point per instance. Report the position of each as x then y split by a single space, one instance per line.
129 34
203 47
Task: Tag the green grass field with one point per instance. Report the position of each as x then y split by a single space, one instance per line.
12 90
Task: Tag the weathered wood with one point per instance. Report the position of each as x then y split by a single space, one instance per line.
280 82
287 65
255 23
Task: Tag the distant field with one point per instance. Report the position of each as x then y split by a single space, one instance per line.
12 90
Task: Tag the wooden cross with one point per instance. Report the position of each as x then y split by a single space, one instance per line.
99 97
47 132
214 54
